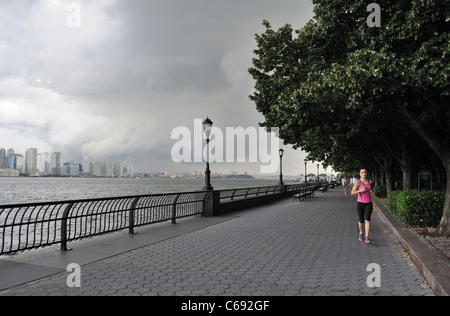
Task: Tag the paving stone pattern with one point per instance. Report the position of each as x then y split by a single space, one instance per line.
281 249
442 244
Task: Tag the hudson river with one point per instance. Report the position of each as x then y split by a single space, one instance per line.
28 190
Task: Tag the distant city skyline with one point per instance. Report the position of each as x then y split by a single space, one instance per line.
47 163
44 163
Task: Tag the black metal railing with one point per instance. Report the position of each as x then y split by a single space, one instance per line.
28 226
232 194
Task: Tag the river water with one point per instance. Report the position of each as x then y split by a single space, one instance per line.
28 190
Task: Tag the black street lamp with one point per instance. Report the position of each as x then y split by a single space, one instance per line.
281 152
306 179
318 179
207 126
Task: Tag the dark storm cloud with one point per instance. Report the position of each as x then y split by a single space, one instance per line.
131 73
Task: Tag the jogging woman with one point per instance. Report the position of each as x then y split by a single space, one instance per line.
363 188
345 185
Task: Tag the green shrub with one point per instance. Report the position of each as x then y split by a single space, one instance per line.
412 207
392 201
380 191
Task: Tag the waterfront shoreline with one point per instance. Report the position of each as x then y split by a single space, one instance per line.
48 189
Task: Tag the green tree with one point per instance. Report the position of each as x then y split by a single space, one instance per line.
338 75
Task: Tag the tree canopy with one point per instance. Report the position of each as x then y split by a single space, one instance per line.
353 95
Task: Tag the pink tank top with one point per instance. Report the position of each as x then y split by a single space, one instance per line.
364 197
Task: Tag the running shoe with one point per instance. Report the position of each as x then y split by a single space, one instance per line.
367 240
361 237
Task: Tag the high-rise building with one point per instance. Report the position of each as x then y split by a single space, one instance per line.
11 162
43 163
130 170
118 169
20 163
2 158
70 168
95 169
14 161
31 161
108 169
55 164
17 162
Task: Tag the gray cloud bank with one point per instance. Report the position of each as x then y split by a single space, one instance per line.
114 88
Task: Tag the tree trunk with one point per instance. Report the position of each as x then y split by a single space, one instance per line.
406 162
388 174
405 159
405 165
443 228
443 153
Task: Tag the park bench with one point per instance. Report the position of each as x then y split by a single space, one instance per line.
323 188
304 193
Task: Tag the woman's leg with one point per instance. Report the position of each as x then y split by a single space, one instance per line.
367 217
361 228
361 210
367 228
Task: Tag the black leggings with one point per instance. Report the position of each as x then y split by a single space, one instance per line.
364 211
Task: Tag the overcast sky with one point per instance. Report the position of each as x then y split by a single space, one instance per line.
116 87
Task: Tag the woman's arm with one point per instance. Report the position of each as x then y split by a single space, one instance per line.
355 190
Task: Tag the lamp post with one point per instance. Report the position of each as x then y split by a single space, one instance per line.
207 126
306 179
318 180
281 152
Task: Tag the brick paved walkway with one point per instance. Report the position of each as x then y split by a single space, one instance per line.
281 249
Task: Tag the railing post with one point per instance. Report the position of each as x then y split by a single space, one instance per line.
64 227
174 209
283 189
204 204
212 203
131 216
232 195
